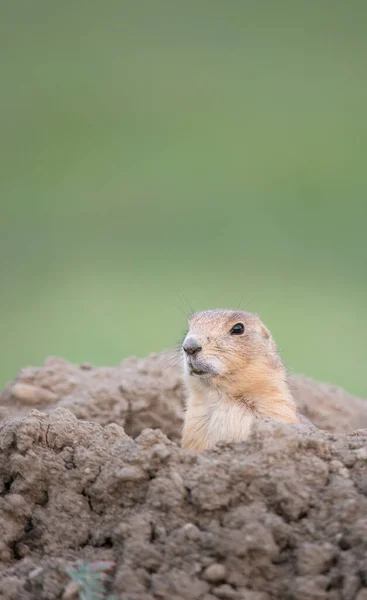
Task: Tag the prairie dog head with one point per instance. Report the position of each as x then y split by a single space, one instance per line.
228 349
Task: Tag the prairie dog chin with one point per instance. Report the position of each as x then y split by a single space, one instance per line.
233 374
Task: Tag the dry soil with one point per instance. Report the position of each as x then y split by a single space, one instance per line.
91 470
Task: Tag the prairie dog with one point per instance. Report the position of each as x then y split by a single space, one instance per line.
234 375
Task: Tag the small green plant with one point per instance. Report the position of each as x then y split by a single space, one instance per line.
90 579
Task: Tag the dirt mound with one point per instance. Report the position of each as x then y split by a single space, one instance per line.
136 394
282 515
148 393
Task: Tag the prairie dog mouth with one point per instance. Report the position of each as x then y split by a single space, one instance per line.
198 369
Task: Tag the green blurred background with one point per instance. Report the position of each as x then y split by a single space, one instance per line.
207 150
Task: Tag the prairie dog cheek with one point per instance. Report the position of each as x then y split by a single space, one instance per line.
216 363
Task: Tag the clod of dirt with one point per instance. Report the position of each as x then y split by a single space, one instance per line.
282 515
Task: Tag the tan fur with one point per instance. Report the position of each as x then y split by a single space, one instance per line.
244 379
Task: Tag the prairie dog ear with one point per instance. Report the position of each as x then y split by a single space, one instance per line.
265 332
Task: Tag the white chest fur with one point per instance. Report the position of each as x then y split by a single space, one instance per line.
211 418
229 422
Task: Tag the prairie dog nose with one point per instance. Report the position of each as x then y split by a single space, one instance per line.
191 345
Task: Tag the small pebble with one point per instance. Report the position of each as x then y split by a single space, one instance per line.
35 573
215 573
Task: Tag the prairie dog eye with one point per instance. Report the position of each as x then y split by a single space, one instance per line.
237 329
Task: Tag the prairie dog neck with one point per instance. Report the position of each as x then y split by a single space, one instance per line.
234 375
212 418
